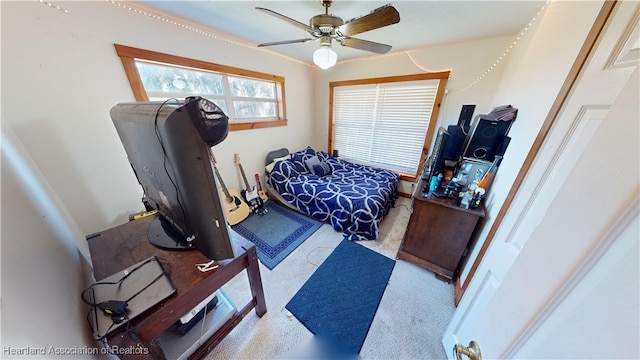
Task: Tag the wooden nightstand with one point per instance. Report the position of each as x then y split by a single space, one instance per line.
438 234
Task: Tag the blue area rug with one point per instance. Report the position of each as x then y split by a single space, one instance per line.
277 233
342 296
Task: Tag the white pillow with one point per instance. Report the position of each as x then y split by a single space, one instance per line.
269 167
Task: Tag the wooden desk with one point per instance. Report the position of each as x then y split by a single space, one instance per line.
438 234
120 247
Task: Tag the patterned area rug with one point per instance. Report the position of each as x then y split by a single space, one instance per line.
277 233
341 298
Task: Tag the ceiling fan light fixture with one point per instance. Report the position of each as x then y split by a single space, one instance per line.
327 27
325 57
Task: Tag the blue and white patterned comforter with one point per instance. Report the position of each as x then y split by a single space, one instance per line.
353 198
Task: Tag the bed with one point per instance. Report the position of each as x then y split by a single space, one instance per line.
352 198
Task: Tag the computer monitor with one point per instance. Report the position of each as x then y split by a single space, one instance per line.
168 145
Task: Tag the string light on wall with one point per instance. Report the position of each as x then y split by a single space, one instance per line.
506 52
392 54
197 30
418 65
54 6
496 62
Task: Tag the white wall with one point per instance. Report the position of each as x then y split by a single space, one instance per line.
42 270
467 62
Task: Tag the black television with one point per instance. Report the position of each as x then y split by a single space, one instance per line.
168 145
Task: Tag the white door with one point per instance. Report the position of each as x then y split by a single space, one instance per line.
570 252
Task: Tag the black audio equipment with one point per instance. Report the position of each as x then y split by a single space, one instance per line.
453 147
436 158
486 138
466 114
503 146
501 150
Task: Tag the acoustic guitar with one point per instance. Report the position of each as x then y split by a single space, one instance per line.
250 194
235 209
263 195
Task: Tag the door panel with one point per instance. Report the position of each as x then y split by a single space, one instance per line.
556 171
598 311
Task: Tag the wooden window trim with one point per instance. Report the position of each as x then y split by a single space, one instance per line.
443 76
128 55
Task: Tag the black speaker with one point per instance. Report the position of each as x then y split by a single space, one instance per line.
466 114
486 139
453 148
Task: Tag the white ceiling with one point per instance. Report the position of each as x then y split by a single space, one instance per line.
422 23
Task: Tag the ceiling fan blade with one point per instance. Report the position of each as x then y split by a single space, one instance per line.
366 45
291 21
286 42
380 17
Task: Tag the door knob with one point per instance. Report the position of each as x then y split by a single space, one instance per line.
472 351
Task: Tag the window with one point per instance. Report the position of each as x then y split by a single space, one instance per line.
386 122
250 99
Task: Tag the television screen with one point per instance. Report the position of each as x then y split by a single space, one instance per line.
168 145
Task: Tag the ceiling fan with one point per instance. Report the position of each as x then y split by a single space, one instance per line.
326 28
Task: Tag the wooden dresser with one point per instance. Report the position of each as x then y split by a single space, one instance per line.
438 233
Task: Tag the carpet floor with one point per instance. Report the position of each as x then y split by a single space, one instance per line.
409 323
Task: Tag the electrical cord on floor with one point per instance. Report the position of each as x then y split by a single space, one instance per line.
318 247
402 205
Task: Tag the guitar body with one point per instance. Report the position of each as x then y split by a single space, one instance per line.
250 194
263 195
252 198
235 209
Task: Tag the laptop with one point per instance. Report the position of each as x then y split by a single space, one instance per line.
142 286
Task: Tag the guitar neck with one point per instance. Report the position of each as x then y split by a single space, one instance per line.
258 182
224 188
244 178
215 171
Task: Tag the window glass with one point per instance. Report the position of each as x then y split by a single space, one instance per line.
163 78
249 98
243 87
254 109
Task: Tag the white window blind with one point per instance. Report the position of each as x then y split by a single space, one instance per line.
383 124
